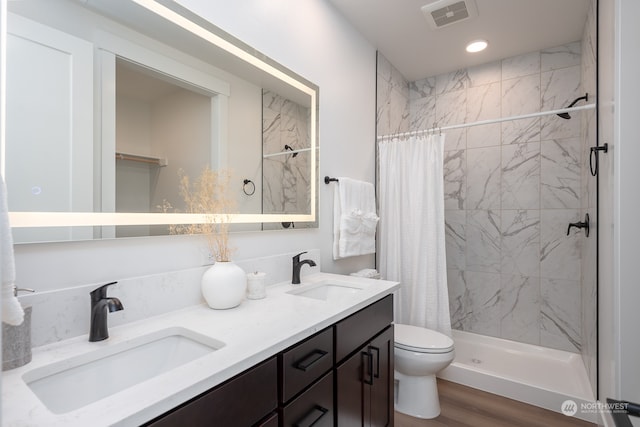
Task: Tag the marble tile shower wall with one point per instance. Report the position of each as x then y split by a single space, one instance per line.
285 178
392 113
510 191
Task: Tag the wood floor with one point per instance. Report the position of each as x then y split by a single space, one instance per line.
463 406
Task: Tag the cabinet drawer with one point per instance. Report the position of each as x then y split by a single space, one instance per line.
358 328
242 401
306 362
314 407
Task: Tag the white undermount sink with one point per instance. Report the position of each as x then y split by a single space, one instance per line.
327 291
78 381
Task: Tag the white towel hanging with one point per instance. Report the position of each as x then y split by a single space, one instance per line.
12 312
355 219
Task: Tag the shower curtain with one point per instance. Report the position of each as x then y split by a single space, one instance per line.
412 231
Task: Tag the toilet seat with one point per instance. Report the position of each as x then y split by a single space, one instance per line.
421 340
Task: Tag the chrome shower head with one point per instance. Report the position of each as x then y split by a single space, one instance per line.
565 115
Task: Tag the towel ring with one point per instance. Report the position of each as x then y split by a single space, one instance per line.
247 183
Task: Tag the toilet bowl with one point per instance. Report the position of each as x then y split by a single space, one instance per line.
419 354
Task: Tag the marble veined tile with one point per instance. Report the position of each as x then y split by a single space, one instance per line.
422 88
451 82
383 101
521 65
520 242
460 308
451 108
560 314
422 113
384 69
271 136
519 131
560 173
521 95
484 297
398 112
483 74
455 182
563 56
455 223
456 139
483 102
483 241
483 178
559 253
521 176
559 89
484 136
520 308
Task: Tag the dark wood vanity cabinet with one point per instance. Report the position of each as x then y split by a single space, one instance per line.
343 376
249 399
364 378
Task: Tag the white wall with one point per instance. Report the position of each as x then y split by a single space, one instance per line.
626 200
619 290
316 43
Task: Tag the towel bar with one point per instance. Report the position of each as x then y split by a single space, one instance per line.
328 179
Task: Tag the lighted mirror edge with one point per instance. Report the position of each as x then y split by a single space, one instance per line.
205 34
80 219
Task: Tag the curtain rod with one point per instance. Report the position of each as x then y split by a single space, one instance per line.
490 121
280 153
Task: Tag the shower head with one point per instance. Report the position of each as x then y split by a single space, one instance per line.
566 115
288 147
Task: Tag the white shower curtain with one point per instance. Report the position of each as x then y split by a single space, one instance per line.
412 233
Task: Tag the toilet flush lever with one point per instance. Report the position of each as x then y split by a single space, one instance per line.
582 224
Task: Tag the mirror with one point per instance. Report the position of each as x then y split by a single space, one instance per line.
110 102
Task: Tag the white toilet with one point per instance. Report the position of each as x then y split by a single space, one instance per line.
419 354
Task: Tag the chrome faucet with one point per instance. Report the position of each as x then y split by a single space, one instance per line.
297 266
99 303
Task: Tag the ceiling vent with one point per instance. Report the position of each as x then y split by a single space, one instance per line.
443 13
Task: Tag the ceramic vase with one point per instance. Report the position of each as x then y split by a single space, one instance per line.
224 285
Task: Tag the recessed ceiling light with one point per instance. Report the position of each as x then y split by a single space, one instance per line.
477 46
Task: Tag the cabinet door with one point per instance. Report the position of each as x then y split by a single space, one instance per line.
364 385
350 390
381 395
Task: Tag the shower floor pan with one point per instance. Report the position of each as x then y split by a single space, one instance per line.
528 373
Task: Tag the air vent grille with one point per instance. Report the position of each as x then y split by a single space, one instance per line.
450 14
446 12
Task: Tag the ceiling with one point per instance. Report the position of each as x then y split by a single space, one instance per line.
399 30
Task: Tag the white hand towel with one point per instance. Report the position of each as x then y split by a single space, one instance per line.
12 312
355 219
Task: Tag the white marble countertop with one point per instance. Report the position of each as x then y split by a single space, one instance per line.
251 332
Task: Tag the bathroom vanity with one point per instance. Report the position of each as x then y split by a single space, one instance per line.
318 352
299 384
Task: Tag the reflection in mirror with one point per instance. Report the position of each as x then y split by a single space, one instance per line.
286 158
108 100
162 128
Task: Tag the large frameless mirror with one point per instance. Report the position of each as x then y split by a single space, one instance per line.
112 103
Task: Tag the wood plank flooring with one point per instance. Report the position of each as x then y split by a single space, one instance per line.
463 406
